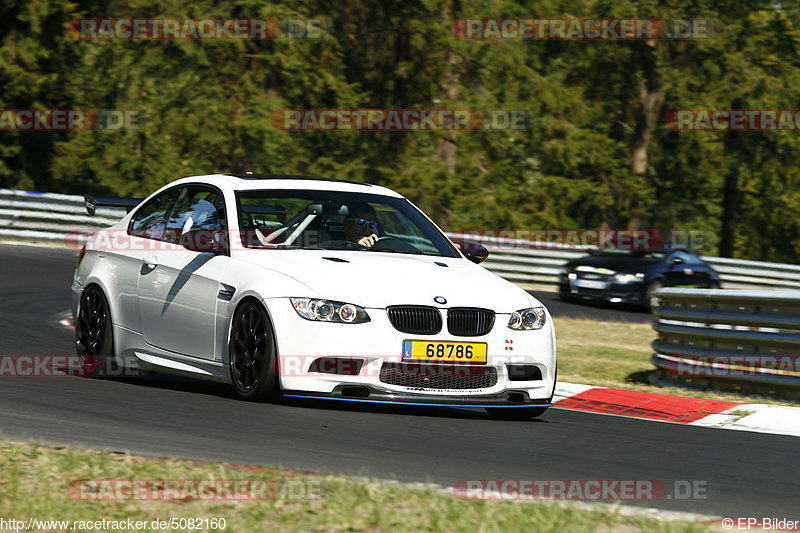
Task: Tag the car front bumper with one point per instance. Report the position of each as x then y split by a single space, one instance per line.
623 293
376 345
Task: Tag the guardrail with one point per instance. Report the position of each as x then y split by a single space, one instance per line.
35 216
717 334
524 261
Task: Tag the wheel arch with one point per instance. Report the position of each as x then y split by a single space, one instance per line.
247 296
101 276
253 298
91 283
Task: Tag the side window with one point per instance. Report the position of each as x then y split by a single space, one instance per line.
197 208
688 259
149 220
692 259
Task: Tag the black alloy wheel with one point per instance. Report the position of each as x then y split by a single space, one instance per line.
94 336
252 354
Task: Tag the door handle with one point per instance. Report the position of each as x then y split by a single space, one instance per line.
150 261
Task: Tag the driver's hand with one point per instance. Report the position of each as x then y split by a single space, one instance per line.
368 241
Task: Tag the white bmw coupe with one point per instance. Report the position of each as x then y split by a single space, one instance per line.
308 288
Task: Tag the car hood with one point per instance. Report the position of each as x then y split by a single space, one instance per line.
617 264
379 279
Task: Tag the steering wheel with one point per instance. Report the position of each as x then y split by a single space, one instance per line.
387 242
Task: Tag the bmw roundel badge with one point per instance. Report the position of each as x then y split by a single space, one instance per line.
440 300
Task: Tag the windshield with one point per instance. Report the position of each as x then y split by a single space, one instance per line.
329 220
647 255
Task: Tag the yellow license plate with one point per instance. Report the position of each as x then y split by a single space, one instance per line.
452 352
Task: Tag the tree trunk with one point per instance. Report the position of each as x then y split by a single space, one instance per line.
730 209
649 100
446 144
730 191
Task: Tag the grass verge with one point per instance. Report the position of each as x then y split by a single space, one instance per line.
617 354
35 482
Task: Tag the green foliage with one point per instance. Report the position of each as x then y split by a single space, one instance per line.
209 107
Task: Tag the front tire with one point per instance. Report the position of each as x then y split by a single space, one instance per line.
253 361
94 334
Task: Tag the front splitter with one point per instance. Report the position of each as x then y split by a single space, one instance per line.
382 397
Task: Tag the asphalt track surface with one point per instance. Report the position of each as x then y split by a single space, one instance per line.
746 474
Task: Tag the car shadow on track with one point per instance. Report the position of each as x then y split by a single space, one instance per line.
194 386
176 383
397 409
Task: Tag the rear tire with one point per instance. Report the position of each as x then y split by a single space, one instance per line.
252 351
94 334
515 413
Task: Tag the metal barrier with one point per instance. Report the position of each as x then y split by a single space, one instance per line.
35 216
745 335
526 262
741 274
539 262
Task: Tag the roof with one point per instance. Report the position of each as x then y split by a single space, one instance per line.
247 182
252 176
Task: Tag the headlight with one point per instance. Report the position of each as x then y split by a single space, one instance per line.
328 311
628 278
526 319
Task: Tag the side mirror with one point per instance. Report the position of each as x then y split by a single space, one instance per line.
474 251
204 240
